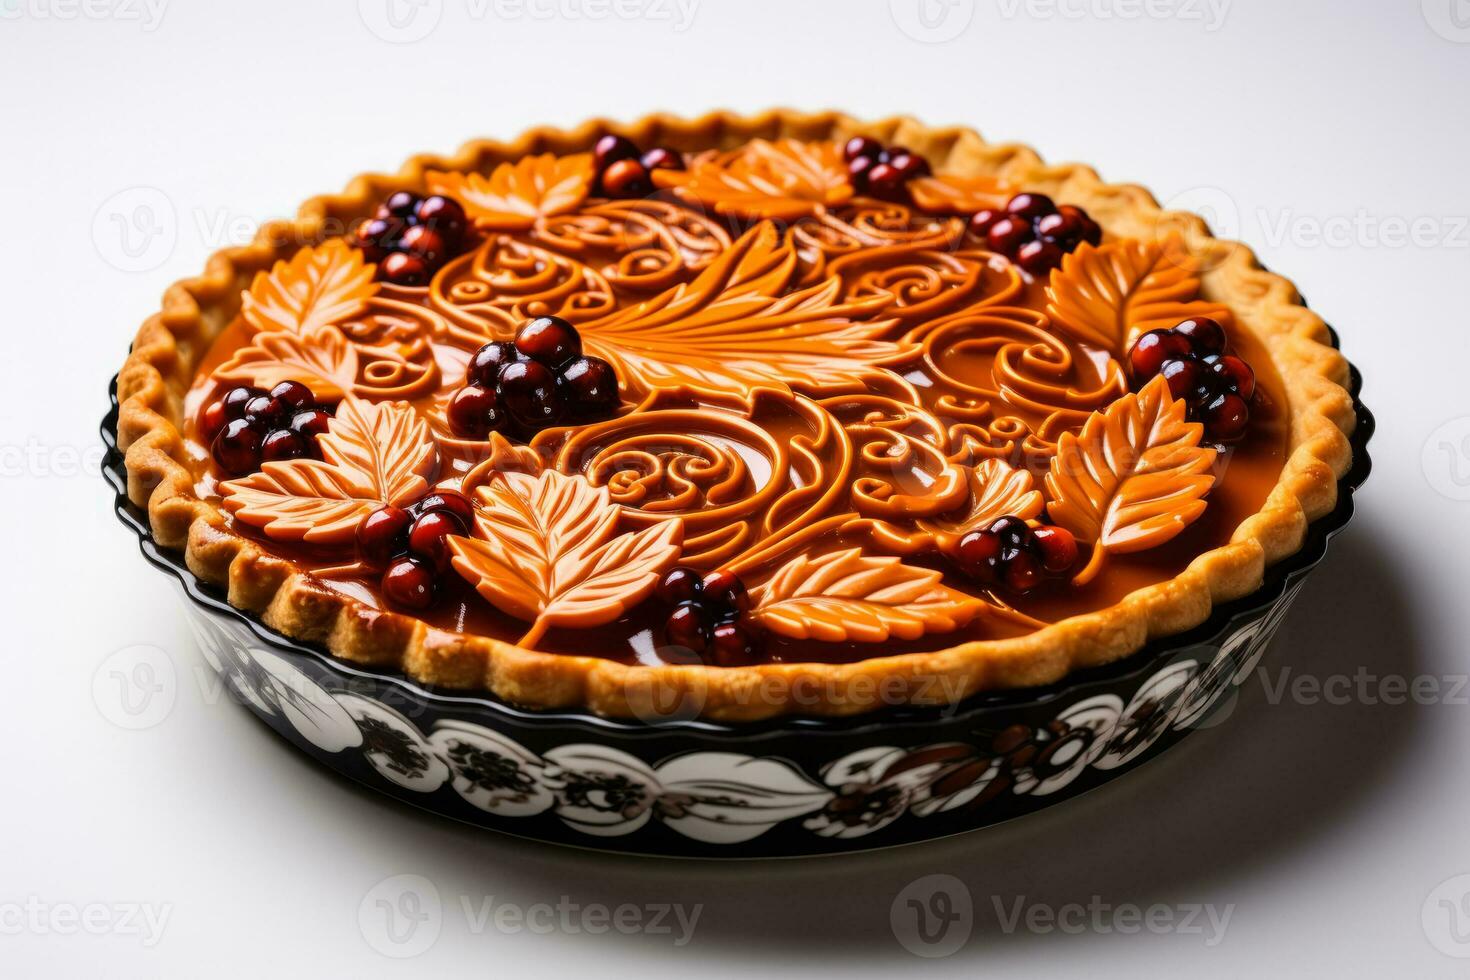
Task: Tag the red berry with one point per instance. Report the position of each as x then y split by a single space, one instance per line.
281 444
1062 228
1207 336
1030 206
212 420
443 215
409 583
861 146
1154 348
1225 417
473 412
376 237
983 220
1008 234
725 594
1237 374
909 165
686 628
262 410
236 399
857 171
1022 572
1057 547
591 387
662 158
730 645
626 178
680 584
1038 257
977 553
1091 231
485 363
400 204
1014 533
383 534
237 447
550 340
429 537
425 243
293 396
311 423
450 502
884 178
1182 376
402 269
611 148
529 395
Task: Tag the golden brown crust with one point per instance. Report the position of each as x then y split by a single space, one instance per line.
170 344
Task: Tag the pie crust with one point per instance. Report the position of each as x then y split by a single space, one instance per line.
171 344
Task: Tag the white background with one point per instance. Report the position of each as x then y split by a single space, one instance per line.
1316 130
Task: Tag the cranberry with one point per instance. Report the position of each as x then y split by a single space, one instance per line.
1207 336
237 447
1182 376
450 502
1030 206
662 158
549 340
1154 348
428 538
1091 231
1038 257
282 444
857 171
262 410
311 423
529 394
626 178
1013 532
686 628
212 420
292 397
884 178
1057 547
376 237
861 146
474 412
402 269
485 363
1237 374
383 534
424 243
443 215
612 148
1008 234
236 399
680 584
1022 572
983 220
409 583
909 165
724 593
730 645
1225 417
591 386
400 204
977 552
1062 228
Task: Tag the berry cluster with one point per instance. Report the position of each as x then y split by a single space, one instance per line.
539 380
410 237
250 426
706 615
1216 386
412 545
1010 552
1034 232
623 170
880 170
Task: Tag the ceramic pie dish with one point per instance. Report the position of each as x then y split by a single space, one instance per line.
764 485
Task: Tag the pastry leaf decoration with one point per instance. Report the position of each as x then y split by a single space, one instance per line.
372 454
1109 294
784 180
736 327
546 550
317 287
1133 478
323 360
997 489
953 194
517 195
849 596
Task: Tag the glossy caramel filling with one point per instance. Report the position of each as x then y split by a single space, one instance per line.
788 390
